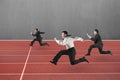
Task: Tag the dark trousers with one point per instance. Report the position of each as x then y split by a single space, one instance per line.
40 42
71 53
100 48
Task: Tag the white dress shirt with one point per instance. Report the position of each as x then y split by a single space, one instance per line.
68 41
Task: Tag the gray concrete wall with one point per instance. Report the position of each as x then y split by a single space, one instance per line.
52 16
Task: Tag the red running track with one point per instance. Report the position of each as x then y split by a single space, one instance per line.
13 55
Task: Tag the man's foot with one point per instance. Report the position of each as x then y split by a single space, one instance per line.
45 44
53 62
48 44
84 59
30 45
87 55
110 53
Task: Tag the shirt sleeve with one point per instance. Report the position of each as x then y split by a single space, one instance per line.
78 39
61 42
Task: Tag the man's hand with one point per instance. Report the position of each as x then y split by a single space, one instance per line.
78 39
82 39
31 33
89 36
55 38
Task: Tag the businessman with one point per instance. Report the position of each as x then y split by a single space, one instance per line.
97 43
37 35
68 41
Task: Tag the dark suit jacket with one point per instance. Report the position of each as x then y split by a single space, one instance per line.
97 40
37 34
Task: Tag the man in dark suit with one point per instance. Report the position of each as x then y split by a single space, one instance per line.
38 37
97 43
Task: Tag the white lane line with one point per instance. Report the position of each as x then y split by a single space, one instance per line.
21 77
35 74
60 63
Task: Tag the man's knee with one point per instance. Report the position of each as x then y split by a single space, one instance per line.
62 52
32 42
100 50
72 63
91 47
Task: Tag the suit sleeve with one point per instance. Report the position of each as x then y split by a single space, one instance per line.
94 38
42 32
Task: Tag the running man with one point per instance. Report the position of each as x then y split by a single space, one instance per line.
37 35
70 51
97 43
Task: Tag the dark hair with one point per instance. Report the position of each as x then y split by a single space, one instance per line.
36 29
97 30
65 32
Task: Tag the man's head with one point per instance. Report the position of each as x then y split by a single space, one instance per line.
96 31
36 29
64 34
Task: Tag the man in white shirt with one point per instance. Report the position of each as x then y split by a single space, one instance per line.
70 50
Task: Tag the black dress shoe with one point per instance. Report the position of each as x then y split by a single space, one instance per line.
48 45
110 53
87 55
53 62
84 59
30 45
